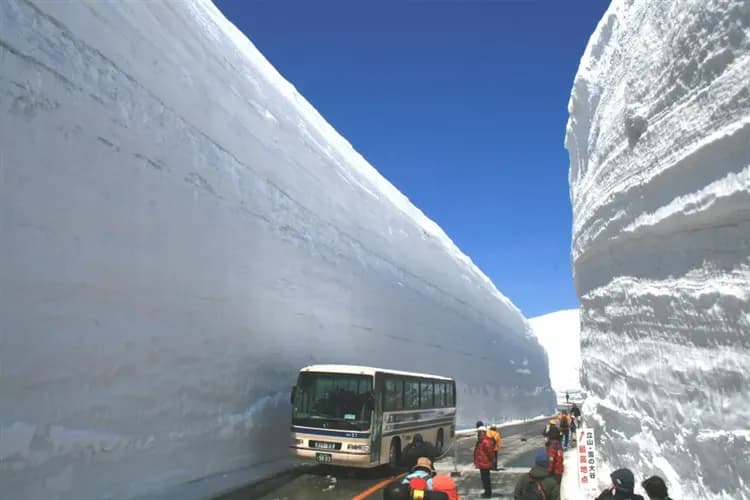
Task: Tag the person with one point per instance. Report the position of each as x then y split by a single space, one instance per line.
421 475
623 484
573 429
576 413
398 491
551 432
538 483
493 434
564 427
445 484
417 448
484 450
655 488
555 457
567 397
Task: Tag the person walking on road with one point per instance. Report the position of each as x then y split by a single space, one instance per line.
493 434
564 428
573 429
484 452
575 412
555 457
623 484
538 484
656 488
567 397
551 432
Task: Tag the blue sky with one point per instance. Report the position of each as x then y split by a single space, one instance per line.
462 105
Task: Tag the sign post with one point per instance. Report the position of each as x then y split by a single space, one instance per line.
588 469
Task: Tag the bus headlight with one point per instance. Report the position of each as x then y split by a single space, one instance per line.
358 447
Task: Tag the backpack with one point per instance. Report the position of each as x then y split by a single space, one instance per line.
533 491
418 487
564 422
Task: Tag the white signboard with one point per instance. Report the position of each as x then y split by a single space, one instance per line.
588 470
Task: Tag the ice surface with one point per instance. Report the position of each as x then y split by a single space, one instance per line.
560 335
660 185
181 231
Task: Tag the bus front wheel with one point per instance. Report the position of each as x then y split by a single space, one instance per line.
394 454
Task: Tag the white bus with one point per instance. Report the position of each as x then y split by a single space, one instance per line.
359 416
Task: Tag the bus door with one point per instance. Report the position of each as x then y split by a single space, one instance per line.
377 418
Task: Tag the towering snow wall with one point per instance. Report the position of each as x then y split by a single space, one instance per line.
659 143
559 333
180 232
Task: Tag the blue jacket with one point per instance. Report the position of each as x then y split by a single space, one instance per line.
421 474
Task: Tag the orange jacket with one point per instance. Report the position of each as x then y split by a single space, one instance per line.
447 485
495 436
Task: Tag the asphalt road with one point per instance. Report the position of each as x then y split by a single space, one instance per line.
520 443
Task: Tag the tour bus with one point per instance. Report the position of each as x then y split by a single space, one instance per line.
359 416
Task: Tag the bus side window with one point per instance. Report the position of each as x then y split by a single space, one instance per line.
425 395
411 394
394 394
440 395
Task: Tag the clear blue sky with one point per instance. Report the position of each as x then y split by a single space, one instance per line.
462 105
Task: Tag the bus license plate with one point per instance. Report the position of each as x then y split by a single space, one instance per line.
324 458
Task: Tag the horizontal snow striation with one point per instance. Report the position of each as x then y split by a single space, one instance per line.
181 232
660 185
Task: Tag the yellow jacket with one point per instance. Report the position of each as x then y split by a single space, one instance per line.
495 436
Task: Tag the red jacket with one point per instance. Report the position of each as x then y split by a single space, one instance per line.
555 454
446 484
484 453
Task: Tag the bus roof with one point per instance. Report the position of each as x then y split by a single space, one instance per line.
365 370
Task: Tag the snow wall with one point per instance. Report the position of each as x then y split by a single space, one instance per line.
181 232
559 333
659 143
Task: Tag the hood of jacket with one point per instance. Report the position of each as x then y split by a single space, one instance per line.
539 473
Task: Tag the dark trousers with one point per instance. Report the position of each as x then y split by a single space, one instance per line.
565 437
486 484
494 461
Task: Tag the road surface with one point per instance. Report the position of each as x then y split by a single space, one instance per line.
520 443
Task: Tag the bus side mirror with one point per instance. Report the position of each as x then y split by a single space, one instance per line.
291 395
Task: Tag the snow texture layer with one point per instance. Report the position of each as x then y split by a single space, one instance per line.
560 335
181 232
659 143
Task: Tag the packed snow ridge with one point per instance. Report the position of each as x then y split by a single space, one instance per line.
660 185
181 232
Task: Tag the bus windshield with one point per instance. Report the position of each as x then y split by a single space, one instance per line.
333 400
